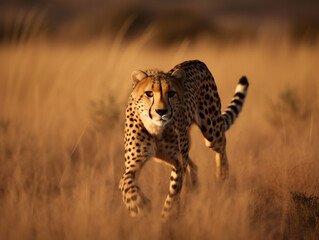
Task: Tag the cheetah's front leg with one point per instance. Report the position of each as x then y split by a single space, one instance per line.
133 197
171 205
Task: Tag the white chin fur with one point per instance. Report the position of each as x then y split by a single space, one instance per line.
159 122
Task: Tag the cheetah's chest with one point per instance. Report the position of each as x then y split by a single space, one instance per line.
168 145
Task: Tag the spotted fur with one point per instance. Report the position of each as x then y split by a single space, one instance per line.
160 111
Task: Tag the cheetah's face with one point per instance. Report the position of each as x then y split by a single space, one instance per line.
157 97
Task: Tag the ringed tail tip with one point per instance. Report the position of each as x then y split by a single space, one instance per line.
235 106
243 81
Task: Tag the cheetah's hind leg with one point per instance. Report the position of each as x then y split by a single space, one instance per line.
191 176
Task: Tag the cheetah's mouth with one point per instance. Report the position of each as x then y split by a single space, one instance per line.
161 121
166 118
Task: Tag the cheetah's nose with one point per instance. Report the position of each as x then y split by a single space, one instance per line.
161 112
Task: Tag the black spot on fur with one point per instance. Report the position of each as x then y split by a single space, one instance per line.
230 115
240 95
237 102
243 81
134 198
235 110
203 128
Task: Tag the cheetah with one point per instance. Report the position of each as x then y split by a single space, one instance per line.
160 111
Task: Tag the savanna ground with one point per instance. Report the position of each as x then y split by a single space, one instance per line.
61 141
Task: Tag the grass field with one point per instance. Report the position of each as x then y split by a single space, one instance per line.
62 155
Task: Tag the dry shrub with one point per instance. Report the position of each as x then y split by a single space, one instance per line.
294 105
303 217
104 113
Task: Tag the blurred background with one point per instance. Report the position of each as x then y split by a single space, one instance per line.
171 21
65 71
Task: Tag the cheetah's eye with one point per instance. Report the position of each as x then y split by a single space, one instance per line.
171 94
149 93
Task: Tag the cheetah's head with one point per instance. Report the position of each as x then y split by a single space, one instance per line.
157 97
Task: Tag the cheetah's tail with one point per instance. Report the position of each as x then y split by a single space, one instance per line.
234 108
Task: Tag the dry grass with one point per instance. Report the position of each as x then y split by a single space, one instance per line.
46 95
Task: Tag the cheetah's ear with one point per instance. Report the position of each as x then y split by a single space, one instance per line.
179 74
137 76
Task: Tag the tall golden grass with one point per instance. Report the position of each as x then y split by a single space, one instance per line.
59 173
